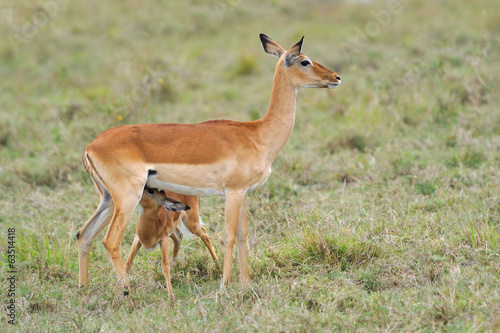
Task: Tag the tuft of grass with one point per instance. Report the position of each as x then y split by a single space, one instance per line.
370 280
425 188
340 250
47 249
473 158
246 65
355 141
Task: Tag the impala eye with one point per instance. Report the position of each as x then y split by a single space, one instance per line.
305 63
151 191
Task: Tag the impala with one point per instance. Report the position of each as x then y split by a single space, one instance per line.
217 157
157 222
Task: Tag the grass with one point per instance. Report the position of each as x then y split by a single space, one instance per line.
382 212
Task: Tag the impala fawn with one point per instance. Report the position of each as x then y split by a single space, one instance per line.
158 221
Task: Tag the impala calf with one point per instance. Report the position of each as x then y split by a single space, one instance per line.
218 157
157 222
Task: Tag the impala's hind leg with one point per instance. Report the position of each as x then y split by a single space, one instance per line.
166 266
125 203
89 231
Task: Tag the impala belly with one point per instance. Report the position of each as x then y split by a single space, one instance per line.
208 179
202 181
183 189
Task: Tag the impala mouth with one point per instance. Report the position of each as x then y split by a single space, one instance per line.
333 85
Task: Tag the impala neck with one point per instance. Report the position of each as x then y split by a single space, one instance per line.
278 122
149 213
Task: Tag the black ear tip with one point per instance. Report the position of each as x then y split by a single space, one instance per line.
264 37
187 207
300 43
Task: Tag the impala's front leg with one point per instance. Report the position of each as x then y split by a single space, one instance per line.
176 236
166 266
136 245
242 242
234 200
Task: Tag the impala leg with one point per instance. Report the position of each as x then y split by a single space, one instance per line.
165 266
242 242
192 222
208 243
86 235
136 245
112 241
176 236
233 205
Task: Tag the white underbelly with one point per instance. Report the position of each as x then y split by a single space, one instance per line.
210 177
183 189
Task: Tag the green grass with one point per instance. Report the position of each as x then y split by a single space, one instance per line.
382 212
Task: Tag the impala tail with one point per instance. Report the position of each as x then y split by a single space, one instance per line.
89 166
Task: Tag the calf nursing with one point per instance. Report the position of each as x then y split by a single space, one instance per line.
159 219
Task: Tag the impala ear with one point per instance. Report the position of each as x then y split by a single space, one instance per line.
293 52
170 203
271 47
175 206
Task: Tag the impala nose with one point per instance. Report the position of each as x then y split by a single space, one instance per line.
337 77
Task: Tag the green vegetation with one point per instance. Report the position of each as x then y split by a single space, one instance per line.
382 212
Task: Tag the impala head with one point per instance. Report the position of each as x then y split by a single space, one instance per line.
300 70
152 195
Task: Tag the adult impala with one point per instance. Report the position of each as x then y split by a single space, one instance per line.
217 157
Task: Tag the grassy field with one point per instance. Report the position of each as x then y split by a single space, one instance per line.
382 212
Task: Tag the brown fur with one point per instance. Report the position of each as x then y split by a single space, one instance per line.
156 224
